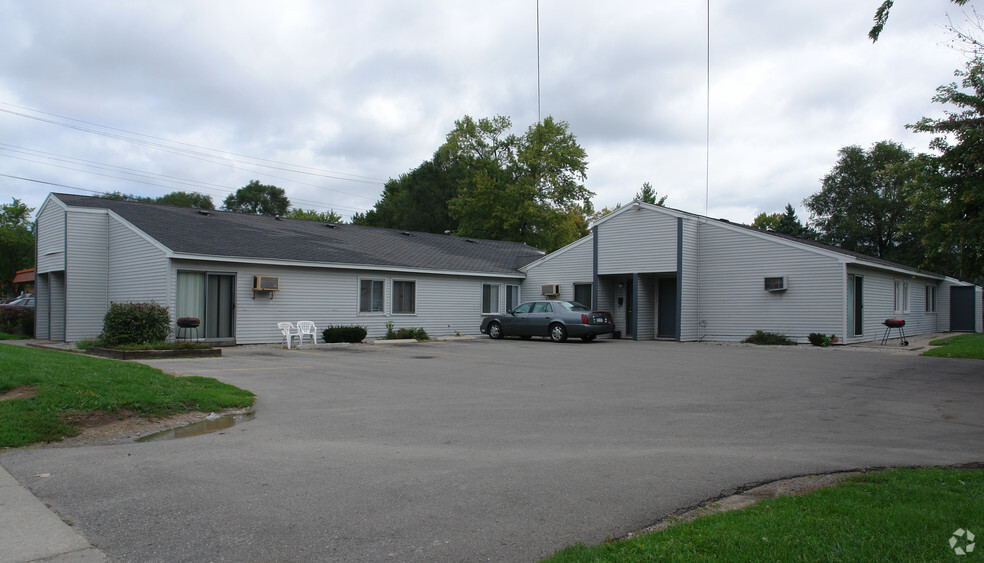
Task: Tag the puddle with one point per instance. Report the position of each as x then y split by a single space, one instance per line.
198 428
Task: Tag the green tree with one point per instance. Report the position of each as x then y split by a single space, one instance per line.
648 195
417 200
767 221
863 203
525 188
187 199
16 239
881 17
126 197
312 215
258 199
953 203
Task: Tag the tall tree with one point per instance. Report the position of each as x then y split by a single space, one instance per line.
417 200
862 205
648 195
785 222
312 215
881 17
525 188
16 239
187 199
954 203
259 199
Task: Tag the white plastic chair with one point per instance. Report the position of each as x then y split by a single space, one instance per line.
306 328
289 331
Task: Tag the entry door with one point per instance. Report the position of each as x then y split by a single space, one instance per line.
220 302
962 315
629 309
667 303
855 304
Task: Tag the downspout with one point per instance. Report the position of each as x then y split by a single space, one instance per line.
679 281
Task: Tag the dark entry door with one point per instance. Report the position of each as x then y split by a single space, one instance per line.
962 309
855 298
220 301
629 309
667 303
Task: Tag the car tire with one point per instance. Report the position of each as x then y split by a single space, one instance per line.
558 333
495 331
588 337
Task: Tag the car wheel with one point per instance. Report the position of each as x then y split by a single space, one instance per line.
588 337
495 331
558 333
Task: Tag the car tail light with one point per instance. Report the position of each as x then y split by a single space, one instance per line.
584 319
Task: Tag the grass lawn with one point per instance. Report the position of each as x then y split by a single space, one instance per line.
897 515
960 346
68 384
7 336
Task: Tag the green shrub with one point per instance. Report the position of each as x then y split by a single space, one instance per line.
822 340
769 338
15 320
135 323
405 333
353 334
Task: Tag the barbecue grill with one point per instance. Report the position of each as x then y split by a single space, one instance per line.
187 323
895 323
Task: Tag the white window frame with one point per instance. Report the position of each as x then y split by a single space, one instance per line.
902 296
930 298
393 310
497 303
382 296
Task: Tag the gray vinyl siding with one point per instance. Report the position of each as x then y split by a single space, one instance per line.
56 314
566 267
138 268
86 273
446 305
879 304
637 241
693 306
42 307
734 303
51 237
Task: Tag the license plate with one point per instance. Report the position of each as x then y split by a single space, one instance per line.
600 320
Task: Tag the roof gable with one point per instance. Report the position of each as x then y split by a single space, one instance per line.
185 230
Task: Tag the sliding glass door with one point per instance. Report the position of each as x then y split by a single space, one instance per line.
210 297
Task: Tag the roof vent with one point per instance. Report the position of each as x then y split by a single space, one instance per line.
471 241
331 225
405 233
276 217
203 212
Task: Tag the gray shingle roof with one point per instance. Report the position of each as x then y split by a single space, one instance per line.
222 233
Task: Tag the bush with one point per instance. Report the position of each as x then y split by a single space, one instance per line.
769 338
405 333
17 320
135 323
352 334
822 340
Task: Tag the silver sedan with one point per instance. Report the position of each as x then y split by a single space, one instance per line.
554 319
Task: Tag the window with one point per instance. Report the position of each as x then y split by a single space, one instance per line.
512 297
901 296
524 308
404 297
930 298
370 296
490 299
541 307
582 294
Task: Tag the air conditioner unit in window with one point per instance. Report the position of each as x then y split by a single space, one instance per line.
550 290
778 283
266 283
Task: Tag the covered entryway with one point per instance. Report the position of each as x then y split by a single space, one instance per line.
667 308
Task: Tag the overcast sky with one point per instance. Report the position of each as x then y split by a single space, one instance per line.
329 99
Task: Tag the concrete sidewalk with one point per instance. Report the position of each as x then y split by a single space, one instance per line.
29 531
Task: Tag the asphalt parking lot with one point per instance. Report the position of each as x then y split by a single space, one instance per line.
498 450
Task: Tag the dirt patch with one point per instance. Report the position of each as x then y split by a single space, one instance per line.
102 428
19 393
794 486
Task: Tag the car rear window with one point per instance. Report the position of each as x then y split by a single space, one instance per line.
573 306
